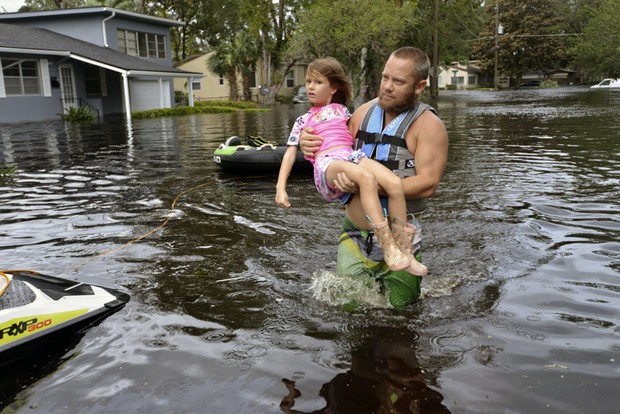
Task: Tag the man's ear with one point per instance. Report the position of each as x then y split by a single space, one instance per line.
419 88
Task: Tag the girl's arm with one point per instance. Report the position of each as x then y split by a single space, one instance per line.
285 170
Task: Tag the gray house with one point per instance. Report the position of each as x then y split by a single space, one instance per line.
109 60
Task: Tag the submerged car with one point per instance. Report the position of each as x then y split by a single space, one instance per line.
607 83
301 96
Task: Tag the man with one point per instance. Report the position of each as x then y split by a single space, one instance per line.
409 138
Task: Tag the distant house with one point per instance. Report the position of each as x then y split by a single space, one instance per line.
112 61
213 86
461 76
561 76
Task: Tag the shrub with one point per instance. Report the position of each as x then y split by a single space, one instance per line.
78 114
548 83
7 171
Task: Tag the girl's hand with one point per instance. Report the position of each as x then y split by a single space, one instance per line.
282 199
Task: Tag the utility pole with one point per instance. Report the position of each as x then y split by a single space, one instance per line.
435 53
498 31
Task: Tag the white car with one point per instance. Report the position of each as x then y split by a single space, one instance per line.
301 96
607 83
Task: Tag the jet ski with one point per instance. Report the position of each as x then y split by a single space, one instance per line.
37 310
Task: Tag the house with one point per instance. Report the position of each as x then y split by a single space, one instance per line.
461 76
561 76
213 86
112 61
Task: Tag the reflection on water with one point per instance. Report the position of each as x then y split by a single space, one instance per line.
384 376
231 295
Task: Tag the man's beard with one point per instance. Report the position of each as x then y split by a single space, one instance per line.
398 105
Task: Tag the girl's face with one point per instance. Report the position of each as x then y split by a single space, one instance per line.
319 90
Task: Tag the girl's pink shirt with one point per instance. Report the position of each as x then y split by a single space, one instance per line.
329 122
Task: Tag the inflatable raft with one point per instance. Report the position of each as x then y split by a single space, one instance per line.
257 156
38 310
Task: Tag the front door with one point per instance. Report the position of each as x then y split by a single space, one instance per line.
67 85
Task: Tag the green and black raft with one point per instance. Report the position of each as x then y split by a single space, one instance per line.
257 156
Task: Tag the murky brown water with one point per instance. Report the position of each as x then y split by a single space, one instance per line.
521 313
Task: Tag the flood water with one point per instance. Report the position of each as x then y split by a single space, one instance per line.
229 310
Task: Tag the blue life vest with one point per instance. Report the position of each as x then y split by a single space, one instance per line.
388 145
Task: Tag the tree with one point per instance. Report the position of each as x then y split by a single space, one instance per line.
222 62
532 38
236 58
246 51
37 5
598 50
447 33
273 22
359 33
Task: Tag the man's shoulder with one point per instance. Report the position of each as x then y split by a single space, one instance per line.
428 125
429 117
361 110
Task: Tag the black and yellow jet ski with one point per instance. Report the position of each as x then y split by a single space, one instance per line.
38 310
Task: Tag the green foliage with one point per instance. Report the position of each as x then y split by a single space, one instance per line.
78 114
359 33
7 172
598 50
459 23
548 83
229 104
205 107
530 40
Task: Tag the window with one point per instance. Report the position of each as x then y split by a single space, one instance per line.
141 44
290 80
252 78
221 79
94 79
196 85
471 80
21 77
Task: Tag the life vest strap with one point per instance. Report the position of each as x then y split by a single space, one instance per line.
373 138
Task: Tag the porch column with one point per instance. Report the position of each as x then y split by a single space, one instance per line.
126 96
190 91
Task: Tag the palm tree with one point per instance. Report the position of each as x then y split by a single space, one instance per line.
223 63
246 51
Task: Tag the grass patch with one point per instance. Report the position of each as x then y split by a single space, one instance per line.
201 107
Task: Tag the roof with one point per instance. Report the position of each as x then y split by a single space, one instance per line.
192 58
107 11
29 40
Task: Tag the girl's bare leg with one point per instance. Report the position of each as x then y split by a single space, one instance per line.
369 196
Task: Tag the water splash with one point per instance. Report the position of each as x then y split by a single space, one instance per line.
351 292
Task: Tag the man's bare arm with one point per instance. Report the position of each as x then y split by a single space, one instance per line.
309 143
428 141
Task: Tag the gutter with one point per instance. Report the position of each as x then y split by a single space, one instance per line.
34 51
165 74
105 37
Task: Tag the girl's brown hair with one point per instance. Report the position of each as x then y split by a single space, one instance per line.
335 74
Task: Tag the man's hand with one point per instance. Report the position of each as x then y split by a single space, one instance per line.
309 143
345 185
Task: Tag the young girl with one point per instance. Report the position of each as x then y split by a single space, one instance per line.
328 90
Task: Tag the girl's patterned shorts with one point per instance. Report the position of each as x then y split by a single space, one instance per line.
327 191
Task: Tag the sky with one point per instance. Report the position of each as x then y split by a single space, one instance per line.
10 5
